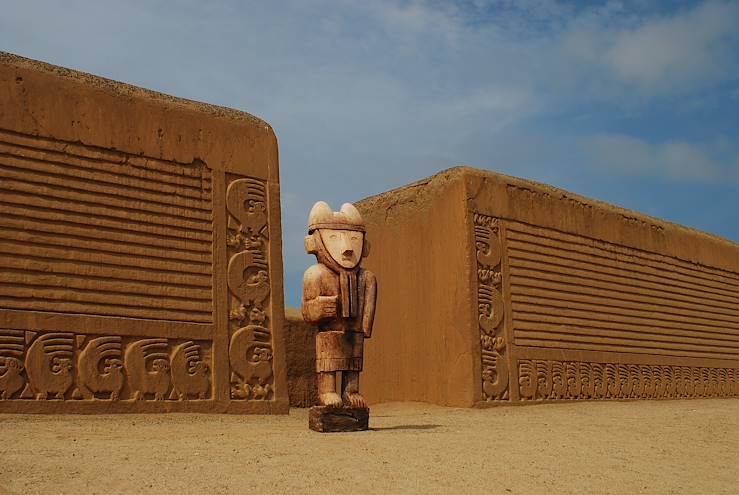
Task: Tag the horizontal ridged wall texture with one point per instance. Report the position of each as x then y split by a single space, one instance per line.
140 250
572 292
101 232
532 293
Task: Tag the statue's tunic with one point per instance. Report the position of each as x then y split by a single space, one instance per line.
340 340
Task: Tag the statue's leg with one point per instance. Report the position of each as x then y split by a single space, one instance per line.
327 389
350 389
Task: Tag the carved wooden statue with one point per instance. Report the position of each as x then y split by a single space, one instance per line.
339 296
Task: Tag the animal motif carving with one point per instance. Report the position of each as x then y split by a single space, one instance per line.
699 387
544 378
11 379
587 381
487 243
560 379
250 354
649 385
495 377
100 368
49 365
250 289
687 380
490 303
245 200
614 381
559 386
572 375
495 372
12 345
138 358
600 382
190 374
527 379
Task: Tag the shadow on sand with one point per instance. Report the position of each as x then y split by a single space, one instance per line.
405 427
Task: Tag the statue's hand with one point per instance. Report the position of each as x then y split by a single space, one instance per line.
328 305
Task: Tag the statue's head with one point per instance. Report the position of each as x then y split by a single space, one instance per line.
338 235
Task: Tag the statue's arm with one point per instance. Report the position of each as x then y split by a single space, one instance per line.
370 303
315 306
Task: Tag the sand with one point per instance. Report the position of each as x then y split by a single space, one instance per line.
598 447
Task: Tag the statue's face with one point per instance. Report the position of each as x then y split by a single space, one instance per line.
344 246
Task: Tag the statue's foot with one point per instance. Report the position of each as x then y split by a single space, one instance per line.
330 399
355 399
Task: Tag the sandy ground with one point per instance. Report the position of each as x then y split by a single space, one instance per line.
600 447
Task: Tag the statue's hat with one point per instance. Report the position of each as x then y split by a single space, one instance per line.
323 217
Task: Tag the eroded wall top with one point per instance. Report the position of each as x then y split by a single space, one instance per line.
78 107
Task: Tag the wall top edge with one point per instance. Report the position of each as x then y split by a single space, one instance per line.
130 90
527 201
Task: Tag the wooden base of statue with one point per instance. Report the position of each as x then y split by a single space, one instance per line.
330 419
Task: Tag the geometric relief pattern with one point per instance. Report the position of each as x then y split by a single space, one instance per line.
250 348
102 232
488 254
568 291
549 379
65 366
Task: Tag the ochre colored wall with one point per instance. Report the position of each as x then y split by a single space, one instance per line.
495 289
421 348
140 248
300 348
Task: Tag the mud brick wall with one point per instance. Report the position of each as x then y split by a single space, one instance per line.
300 347
496 290
140 250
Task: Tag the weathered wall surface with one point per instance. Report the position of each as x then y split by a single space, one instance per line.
570 298
300 348
421 347
140 250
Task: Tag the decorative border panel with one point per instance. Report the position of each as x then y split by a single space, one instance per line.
251 346
66 366
550 379
156 299
490 307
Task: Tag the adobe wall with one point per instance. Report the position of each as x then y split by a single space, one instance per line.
300 349
421 347
140 250
555 297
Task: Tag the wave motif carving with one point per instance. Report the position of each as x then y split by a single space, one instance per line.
69 367
548 380
250 350
488 255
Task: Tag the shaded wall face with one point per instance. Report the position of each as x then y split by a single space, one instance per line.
141 264
300 347
420 348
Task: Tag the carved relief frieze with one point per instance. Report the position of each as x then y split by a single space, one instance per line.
547 379
66 366
488 255
250 349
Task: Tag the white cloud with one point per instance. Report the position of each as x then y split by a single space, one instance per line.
676 160
660 56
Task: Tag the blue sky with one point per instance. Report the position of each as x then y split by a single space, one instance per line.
635 103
